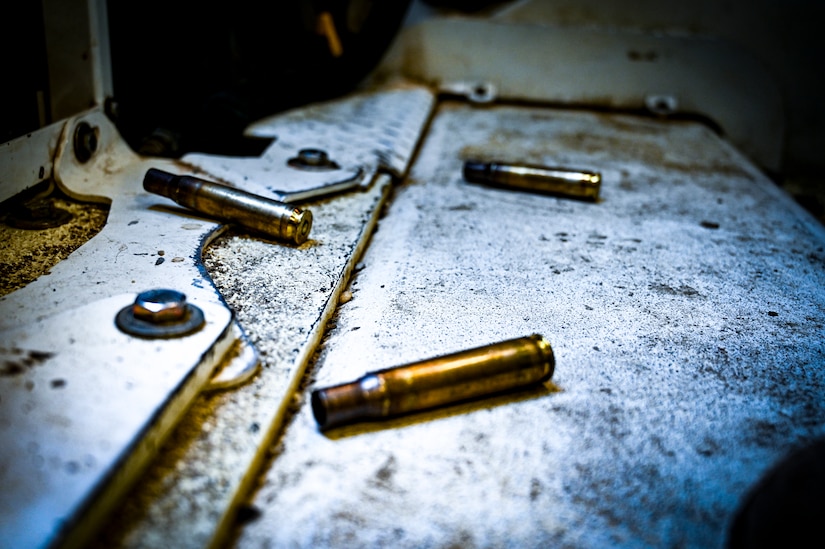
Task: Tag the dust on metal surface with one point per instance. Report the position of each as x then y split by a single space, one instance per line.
283 297
686 311
357 135
27 254
83 407
609 68
67 311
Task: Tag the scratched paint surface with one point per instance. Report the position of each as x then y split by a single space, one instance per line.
282 296
686 310
187 494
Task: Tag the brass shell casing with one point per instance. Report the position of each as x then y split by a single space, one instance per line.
436 382
269 217
543 179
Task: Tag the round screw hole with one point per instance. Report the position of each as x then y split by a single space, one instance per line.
85 142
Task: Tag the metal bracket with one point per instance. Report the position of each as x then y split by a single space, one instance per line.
601 68
85 404
88 403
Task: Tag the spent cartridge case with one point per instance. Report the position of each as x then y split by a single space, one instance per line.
443 380
543 179
269 217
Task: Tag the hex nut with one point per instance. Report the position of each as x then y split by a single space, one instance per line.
313 159
160 306
160 314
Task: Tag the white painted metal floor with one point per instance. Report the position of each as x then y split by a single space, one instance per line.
686 311
685 307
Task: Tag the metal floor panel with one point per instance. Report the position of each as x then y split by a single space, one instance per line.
283 296
685 308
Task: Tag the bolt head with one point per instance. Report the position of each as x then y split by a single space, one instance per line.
313 157
160 305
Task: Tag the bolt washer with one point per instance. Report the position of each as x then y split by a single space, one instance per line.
192 321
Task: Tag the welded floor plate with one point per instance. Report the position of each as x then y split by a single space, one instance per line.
83 406
686 310
283 297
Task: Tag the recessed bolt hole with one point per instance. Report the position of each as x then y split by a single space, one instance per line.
85 142
662 105
482 93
